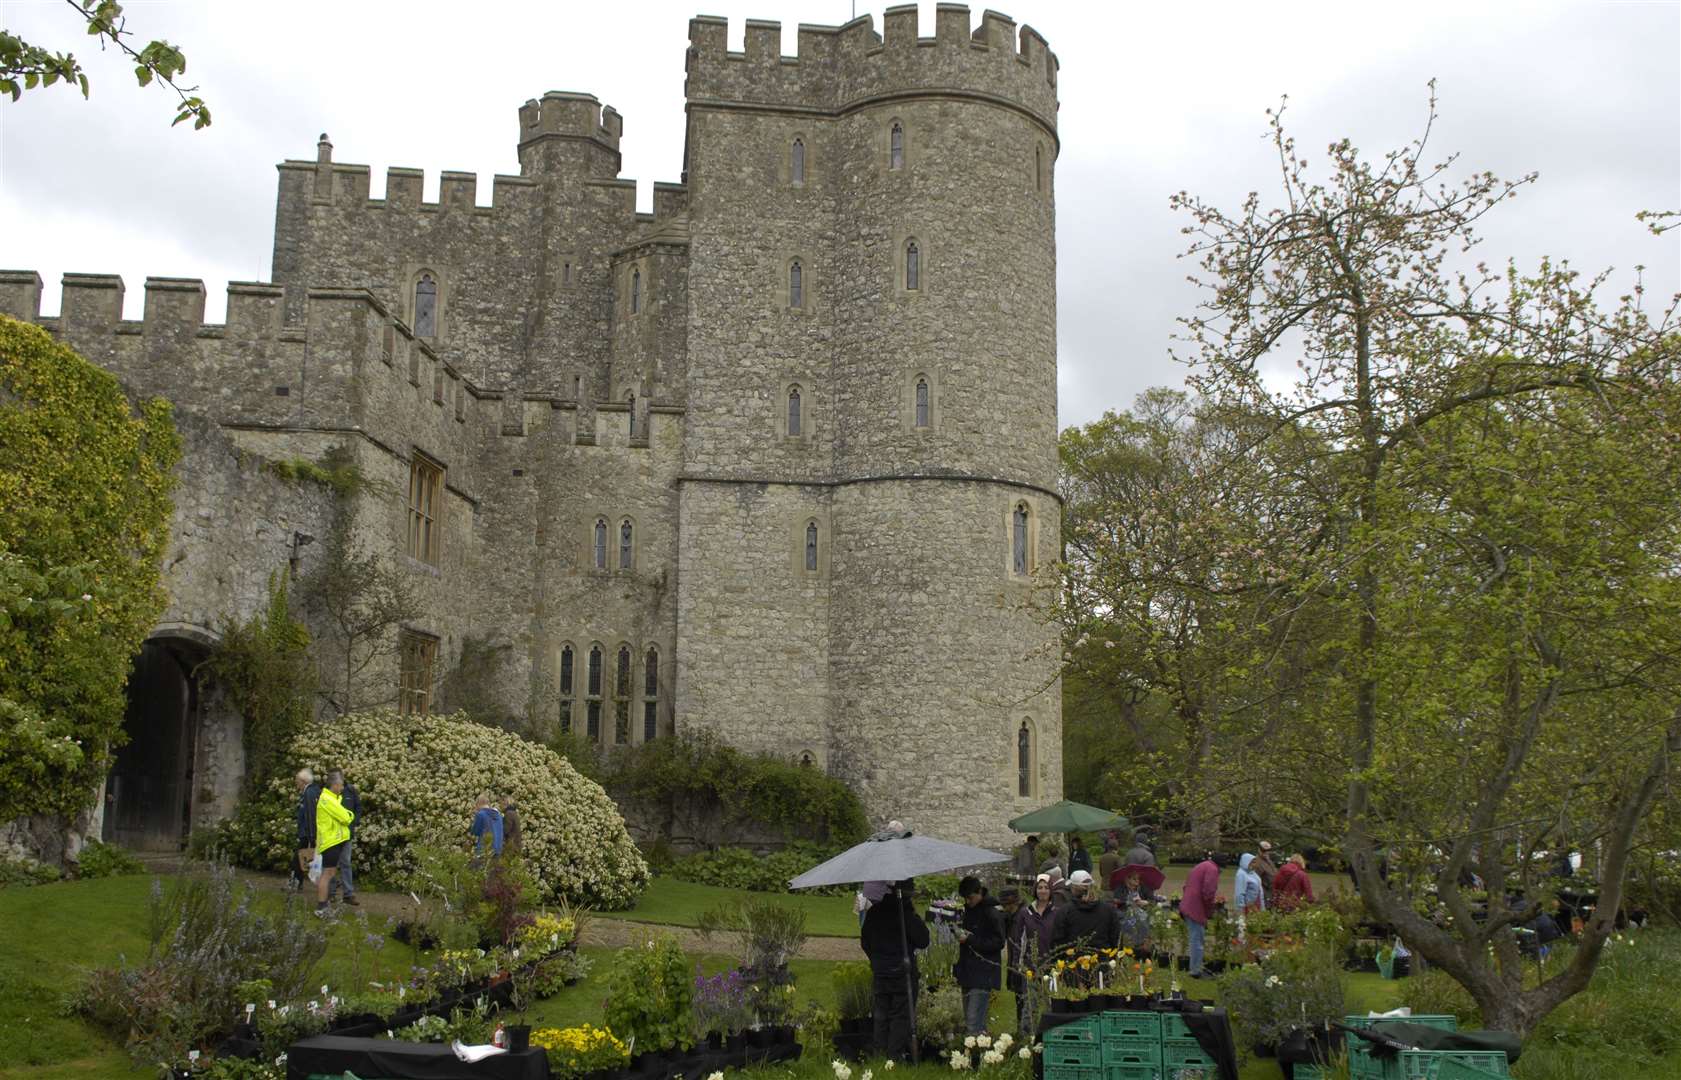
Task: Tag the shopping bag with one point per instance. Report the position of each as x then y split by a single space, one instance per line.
315 867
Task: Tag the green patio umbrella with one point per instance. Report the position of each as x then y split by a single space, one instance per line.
1067 816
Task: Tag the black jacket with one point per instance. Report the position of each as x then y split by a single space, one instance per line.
1092 923
882 941
353 802
306 814
977 966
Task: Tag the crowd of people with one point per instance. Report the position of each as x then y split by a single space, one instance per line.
327 814
1044 912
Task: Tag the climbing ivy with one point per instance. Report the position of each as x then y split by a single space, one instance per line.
84 518
265 667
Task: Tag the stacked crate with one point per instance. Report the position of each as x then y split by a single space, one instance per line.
1419 1064
1125 1046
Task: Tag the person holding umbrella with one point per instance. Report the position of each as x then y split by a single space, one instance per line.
891 936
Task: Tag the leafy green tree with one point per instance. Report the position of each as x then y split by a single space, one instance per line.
26 66
84 518
1495 476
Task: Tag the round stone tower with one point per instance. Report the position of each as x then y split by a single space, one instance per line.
901 218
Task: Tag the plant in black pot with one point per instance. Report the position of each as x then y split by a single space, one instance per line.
650 995
854 997
721 1006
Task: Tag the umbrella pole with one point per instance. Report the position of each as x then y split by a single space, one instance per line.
910 980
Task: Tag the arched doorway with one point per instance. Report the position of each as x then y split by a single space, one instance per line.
148 793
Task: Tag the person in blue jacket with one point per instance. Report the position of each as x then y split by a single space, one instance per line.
1249 894
487 827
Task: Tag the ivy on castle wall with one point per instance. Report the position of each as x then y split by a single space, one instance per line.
84 519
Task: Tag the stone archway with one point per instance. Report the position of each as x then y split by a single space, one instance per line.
149 790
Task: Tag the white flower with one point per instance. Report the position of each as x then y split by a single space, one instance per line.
843 1071
1273 980
86 597
889 1065
323 989
719 1075
959 1060
1025 1053
983 1040
1003 1041
868 1075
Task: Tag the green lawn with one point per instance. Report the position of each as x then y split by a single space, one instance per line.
680 903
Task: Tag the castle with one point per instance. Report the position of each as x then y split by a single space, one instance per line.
777 460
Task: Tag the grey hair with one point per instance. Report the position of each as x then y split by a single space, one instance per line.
306 776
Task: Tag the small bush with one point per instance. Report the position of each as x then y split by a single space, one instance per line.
1433 992
854 990
106 860
742 868
208 946
1289 989
648 995
27 872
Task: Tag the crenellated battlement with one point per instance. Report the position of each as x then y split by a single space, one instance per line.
838 68
561 114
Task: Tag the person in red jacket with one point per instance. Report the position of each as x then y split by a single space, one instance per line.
1196 904
1292 886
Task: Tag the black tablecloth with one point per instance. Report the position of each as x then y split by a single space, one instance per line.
384 1059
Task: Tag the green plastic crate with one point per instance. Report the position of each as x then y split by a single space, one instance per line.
1427 1064
1089 1055
1174 1026
1177 1053
1073 1072
1454 1069
1133 1072
1078 1031
1131 1025
1361 1064
1132 1050
1441 1022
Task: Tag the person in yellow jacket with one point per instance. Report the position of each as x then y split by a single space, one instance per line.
332 830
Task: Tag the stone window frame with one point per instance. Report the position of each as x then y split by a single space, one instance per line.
799 160
566 684
635 290
616 554
595 677
421 274
1020 502
904 155
797 536
787 389
1028 770
651 664
901 247
808 281
568 269
807 758
630 402
417 653
1039 167
597 543
907 403
425 542
624 692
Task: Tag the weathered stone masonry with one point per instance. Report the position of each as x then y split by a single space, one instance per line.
588 362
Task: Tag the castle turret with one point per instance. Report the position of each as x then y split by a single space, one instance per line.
873 241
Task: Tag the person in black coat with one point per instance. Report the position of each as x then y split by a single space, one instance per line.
980 937
308 792
891 936
1091 921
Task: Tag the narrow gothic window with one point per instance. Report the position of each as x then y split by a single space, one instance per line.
922 403
1018 538
1024 761
577 388
592 689
796 285
566 274
651 696
1038 168
913 266
896 147
625 536
635 291
630 399
796 167
621 698
811 545
426 307
601 543
794 418
566 685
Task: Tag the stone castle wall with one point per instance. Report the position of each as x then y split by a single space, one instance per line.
592 363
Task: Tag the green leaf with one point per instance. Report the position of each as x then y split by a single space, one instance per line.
143 73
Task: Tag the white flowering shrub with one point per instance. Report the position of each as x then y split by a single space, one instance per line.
418 778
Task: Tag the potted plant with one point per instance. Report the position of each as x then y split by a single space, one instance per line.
719 1004
854 997
580 1051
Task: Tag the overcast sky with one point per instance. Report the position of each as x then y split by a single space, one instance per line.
1156 98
